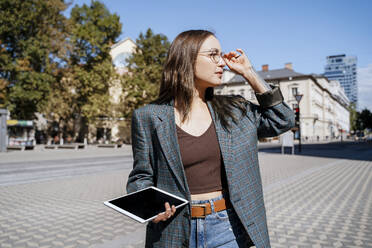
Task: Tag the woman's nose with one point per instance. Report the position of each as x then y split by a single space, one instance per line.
221 63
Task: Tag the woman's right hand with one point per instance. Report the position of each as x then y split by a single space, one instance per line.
169 212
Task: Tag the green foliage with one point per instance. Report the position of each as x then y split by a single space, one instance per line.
364 120
140 86
3 89
81 95
31 37
353 116
94 30
359 121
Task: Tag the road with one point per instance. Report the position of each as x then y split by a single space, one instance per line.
13 173
55 198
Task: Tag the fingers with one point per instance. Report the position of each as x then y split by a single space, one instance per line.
231 55
169 212
240 51
228 63
158 218
173 210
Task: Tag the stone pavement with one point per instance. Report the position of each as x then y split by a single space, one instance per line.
310 202
64 213
327 204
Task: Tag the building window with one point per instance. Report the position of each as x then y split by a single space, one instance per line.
242 93
231 92
294 91
252 94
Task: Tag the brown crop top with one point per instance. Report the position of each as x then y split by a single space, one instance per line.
201 158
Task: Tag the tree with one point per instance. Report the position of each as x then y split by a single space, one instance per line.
85 84
364 120
32 36
4 61
353 116
140 85
3 88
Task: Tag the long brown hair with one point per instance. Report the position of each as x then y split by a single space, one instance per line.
178 79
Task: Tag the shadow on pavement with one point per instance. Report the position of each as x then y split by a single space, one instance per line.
341 150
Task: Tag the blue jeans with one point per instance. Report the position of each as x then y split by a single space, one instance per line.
219 229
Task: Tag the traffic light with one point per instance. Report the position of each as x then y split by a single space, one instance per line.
297 117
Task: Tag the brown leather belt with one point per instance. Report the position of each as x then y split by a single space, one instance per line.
202 210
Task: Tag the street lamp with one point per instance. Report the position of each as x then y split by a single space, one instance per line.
298 98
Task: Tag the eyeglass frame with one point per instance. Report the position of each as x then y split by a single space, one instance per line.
220 55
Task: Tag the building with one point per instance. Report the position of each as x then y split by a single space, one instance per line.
120 52
344 69
324 111
116 129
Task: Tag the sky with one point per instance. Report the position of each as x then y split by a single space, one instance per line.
271 32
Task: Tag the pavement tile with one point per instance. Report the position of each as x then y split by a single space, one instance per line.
70 246
32 244
58 243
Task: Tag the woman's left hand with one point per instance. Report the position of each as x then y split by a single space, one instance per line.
237 62
240 64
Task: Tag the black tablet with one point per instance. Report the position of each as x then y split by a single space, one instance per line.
144 205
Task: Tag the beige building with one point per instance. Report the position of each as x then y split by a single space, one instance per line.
119 53
324 111
112 129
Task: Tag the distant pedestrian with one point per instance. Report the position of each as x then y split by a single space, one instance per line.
56 139
203 147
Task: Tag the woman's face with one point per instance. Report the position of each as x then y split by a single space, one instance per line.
209 64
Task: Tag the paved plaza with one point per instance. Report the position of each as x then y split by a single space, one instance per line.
55 198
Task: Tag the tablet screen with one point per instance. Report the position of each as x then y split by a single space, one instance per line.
146 203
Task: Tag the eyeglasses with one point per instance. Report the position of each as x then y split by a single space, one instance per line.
214 55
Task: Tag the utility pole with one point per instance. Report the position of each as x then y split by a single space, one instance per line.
3 130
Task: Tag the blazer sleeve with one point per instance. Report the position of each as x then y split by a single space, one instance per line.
142 174
272 116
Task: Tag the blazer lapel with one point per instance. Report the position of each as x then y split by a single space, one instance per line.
224 140
166 132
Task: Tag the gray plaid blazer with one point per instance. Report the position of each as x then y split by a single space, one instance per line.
157 161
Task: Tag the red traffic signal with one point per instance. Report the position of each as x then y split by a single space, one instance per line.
297 116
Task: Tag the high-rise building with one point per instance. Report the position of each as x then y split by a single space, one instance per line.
344 69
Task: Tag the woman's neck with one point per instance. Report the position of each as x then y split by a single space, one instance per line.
198 105
198 98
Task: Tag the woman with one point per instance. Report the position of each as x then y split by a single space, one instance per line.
203 147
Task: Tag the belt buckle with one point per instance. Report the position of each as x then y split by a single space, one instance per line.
204 206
